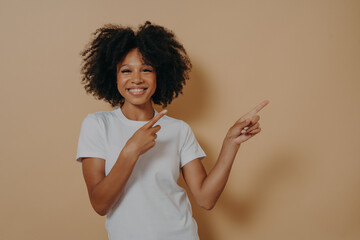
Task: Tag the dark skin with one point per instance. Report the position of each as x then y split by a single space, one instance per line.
104 191
207 189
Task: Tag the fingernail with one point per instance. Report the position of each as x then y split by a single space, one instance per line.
243 131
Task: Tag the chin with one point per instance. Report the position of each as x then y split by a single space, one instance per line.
139 103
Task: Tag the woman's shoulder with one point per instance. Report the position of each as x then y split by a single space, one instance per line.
102 116
182 124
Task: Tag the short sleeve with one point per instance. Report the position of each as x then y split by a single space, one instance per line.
190 149
92 139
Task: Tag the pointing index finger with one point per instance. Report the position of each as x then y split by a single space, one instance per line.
255 110
258 107
155 119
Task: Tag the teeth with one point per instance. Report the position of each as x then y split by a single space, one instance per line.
136 90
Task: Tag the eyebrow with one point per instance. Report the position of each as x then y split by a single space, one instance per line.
144 64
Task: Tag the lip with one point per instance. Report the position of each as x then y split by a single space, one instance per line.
138 87
136 93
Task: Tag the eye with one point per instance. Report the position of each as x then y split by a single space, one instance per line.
125 71
148 69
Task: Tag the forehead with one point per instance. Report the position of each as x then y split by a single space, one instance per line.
133 57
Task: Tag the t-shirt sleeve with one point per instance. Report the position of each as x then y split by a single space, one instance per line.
190 149
91 140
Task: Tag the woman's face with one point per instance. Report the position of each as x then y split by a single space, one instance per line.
136 81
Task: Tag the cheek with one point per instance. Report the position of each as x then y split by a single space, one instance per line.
154 85
153 81
120 86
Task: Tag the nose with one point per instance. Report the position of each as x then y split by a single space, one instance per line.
137 78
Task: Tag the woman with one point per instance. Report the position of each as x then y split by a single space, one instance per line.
132 156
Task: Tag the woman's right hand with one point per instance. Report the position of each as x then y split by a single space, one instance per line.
144 138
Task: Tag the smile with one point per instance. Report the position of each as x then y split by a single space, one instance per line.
136 91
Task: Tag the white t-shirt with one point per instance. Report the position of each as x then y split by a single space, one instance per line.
152 205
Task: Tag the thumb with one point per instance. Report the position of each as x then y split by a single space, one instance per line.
244 125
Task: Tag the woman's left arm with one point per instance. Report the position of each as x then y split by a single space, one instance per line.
207 189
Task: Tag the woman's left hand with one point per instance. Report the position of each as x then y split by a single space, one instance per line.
242 131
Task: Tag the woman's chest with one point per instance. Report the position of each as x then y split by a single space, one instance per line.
162 159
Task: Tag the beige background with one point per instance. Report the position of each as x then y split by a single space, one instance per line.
298 179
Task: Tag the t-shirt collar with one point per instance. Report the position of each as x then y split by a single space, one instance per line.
130 122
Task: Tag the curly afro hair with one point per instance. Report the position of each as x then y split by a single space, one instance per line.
158 47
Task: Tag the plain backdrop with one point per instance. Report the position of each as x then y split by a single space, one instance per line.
298 179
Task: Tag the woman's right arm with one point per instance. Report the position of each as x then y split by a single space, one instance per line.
104 191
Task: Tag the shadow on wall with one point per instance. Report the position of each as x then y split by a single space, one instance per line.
190 105
278 170
244 210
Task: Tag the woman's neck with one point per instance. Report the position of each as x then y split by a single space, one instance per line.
138 112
